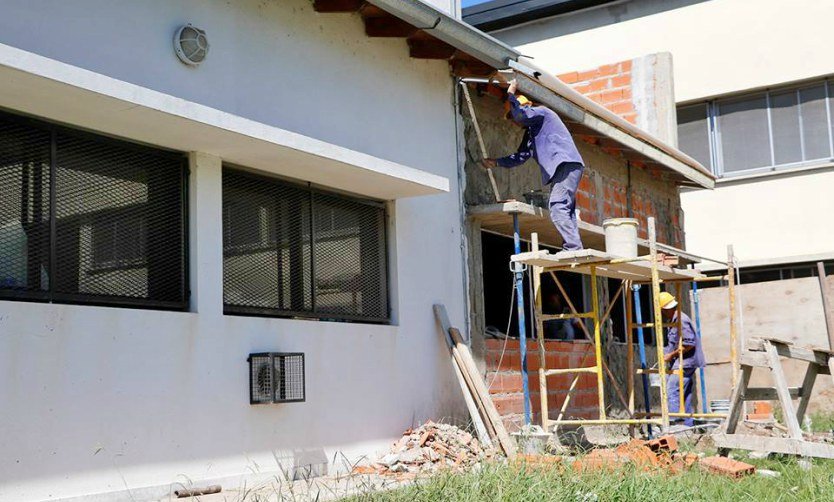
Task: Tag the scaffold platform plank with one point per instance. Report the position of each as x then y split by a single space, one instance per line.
606 265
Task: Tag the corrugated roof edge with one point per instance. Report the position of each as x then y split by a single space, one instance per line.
500 55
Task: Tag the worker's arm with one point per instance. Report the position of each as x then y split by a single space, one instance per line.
671 356
525 151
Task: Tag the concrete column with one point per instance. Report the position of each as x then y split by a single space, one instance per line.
653 94
205 209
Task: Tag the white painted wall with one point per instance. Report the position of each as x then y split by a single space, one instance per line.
769 218
100 399
718 46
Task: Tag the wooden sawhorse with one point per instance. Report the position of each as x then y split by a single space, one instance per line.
766 353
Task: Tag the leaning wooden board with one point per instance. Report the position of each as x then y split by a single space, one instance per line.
480 394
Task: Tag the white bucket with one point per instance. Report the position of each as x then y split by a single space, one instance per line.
621 237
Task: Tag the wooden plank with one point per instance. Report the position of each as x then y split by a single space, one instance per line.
736 402
504 439
770 394
802 354
473 405
787 446
537 301
658 321
332 6
826 305
757 360
807 388
387 27
421 45
781 384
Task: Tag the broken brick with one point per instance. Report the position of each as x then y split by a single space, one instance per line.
727 467
663 443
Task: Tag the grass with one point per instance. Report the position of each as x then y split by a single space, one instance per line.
521 484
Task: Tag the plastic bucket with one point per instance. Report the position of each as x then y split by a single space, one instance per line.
621 237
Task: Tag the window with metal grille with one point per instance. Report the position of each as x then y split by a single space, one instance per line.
290 250
89 219
763 131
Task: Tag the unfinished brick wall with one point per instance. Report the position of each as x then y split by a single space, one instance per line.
611 187
609 85
507 391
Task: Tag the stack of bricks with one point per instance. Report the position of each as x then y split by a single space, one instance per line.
609 85
507 391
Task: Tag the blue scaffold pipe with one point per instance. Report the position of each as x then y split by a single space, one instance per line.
641 343
522 332
697 301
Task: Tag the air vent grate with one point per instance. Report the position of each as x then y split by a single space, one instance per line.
276 377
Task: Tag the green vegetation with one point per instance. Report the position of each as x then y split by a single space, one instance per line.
521 484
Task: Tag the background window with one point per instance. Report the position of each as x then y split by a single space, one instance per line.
111 230
693 133
766 130
743 128
294 251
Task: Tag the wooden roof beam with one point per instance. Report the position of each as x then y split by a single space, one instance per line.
421 45
331 6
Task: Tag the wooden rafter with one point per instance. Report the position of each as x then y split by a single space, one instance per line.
421 45
337 5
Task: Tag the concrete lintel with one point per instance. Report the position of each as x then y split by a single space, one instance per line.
44 87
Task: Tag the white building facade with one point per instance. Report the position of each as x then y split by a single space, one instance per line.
752 83
123 347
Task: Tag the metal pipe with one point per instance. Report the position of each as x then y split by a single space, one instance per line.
641 343
696 300
522 331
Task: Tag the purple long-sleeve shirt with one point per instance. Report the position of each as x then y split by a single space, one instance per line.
545 138
693 358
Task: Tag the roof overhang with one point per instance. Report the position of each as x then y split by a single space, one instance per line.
57 91
471 53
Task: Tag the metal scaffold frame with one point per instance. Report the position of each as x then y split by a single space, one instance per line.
632 272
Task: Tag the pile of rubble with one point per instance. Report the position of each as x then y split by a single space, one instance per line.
658 454
430 448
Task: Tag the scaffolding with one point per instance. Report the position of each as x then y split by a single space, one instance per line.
647 270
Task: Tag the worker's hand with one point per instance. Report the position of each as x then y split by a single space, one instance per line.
489 163
513 86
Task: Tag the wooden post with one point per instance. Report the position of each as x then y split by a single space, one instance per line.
537 296
658 325
731 291
826 305
626 285
480 138
597 341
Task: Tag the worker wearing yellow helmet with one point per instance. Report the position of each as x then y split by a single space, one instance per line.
690 350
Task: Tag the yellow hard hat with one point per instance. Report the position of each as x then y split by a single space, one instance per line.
667 301
522 100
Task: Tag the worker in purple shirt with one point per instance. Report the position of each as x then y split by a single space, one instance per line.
693 356
548 141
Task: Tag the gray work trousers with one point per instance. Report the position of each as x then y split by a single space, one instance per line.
565 182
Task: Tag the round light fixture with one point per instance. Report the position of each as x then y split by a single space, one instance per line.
191 45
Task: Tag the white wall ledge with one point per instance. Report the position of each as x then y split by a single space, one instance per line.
43 87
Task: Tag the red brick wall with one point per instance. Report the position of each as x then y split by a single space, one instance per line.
506 387
608 85
601 196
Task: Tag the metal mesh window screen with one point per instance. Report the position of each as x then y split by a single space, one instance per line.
117 231
349 252
24 208
290 250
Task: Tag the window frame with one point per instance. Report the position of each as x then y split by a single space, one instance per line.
714 129
312 314
50 295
